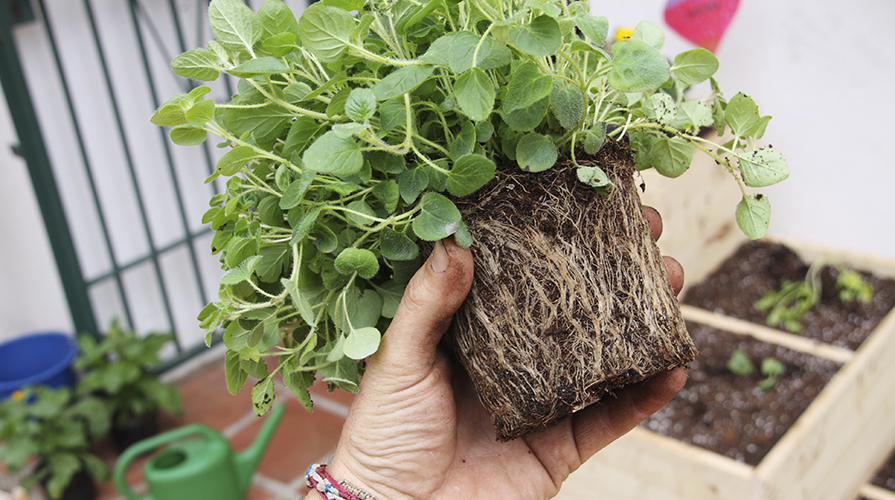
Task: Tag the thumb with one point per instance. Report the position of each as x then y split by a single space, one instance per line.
430 300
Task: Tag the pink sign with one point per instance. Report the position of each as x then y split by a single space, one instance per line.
703 22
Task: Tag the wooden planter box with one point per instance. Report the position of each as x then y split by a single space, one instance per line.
832 449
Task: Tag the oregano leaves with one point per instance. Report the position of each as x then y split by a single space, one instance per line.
354 128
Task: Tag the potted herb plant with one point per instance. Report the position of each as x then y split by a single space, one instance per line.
49 424
118 370
366 129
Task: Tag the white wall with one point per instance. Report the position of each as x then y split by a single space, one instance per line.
822 69
804 61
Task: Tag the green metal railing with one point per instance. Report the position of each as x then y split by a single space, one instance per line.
153 42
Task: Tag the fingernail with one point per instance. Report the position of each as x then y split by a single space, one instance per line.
440 259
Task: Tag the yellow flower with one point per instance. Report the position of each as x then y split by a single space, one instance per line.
17 396
623 34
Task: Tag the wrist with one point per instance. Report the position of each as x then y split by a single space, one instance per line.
324 484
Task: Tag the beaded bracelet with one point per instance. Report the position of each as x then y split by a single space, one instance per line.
317 478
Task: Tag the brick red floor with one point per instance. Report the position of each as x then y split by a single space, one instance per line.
300 439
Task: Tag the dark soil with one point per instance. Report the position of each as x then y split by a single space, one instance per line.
885 476
757 268
728 414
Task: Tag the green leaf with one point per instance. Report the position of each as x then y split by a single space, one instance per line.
411 183
361 342
200 113
695 66
264 122
763 167
595 138
280 45
568 106
457 51
649 33
463 143
475 94
753 215
438 219
392 113
389 194
739 364
301 133
258 67
276 18
527 118
594 27
186 135
470 172
299 301
361 104
397 246
637 67
526 87
326 30
391 292
536 153
361 213
594 177
274 259
742 115
541 37
692 115
242 272
295 193
363 308
402 81
331 154
171 113
305 225
263 396
234 160
357 260
671 156
198 64
296 383
236 377
234 25
660 107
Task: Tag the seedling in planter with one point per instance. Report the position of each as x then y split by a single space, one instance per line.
740 364
361 130
787 305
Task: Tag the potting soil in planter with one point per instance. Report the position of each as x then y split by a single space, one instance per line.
727 413
885 476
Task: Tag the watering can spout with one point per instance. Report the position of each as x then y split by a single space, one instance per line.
247 460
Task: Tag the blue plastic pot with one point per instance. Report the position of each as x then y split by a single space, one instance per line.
39 358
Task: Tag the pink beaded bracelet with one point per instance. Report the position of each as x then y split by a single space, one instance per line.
317 478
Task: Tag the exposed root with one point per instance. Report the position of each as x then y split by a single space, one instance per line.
570 300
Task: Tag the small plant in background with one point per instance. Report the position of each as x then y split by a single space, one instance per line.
772 369
57 429
119 371
787 305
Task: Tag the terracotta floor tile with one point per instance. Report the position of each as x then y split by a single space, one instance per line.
206 399
258 493
300 439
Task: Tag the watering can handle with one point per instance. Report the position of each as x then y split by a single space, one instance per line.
146 446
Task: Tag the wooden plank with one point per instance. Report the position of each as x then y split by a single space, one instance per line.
810 252
845 434
767 334
872 492
643 464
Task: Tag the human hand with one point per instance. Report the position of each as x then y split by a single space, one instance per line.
417 430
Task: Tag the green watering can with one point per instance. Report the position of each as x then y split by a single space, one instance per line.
202 468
